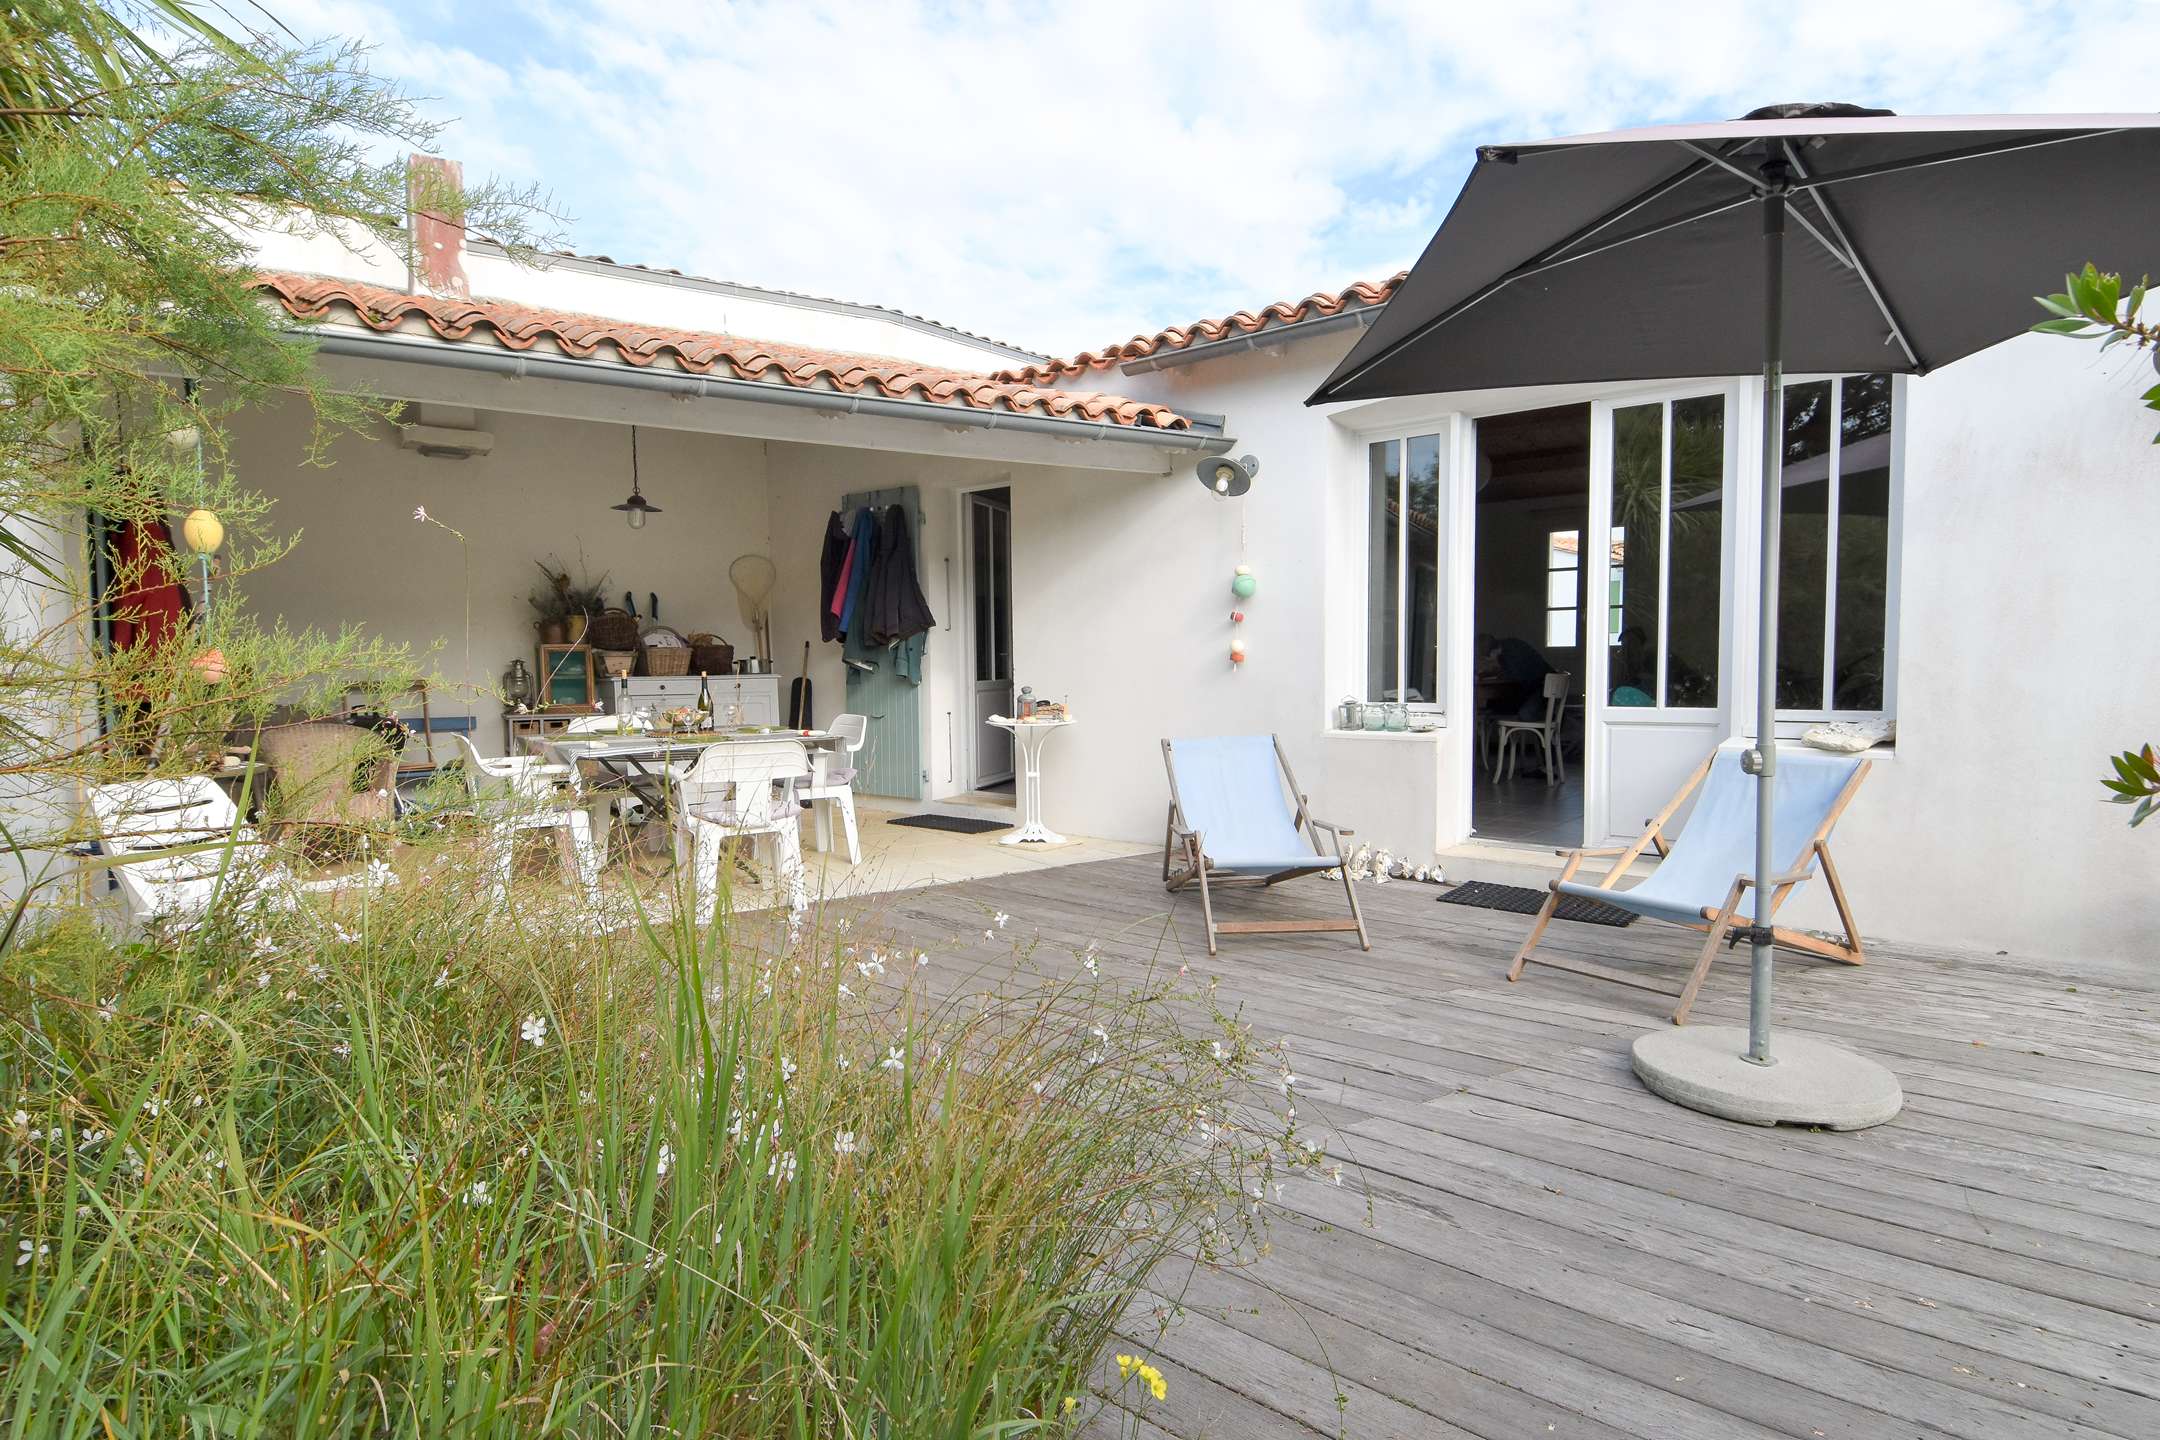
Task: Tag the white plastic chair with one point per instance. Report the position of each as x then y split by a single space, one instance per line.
605 725
518 793
1545 733
832 785
742 790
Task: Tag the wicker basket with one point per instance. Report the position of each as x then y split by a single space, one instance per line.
612 630
667 659
711 655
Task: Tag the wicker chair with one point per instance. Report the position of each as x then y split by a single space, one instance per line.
329 782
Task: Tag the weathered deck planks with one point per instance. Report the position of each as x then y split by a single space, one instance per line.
1543 1248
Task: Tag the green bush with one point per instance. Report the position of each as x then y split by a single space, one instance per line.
415 1166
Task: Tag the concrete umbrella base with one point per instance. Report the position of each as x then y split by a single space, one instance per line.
1812 1082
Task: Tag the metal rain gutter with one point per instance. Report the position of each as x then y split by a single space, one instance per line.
1361 317
707 387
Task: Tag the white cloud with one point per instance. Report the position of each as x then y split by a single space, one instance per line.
1065 175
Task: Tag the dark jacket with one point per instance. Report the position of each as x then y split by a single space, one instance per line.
894 607
829 563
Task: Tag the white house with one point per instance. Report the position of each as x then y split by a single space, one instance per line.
1969 556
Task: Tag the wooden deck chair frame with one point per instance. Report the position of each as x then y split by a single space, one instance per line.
1717 922
1185 863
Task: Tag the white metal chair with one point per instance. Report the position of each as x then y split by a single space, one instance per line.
518 793
742 790
831 785
1544 733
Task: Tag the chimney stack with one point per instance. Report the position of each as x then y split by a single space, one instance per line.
434 219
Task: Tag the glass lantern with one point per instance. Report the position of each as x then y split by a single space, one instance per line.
517 683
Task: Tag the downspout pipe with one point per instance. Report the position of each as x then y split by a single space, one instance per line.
709 387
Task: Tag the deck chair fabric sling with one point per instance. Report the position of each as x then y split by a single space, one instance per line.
1702 875
1232 822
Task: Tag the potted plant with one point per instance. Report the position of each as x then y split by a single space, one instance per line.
564 604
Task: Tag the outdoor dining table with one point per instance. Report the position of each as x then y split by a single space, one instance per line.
649 765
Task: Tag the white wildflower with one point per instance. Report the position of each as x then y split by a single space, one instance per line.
419 512
844 1143
922 959
27 1252
666 1160
781 1168
534 1031
1000 918
108 1008
477 1193
787 1069
893 1060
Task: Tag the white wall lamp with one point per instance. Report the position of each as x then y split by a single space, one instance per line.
1225 476
637 507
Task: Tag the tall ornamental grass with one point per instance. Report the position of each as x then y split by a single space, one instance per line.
411 1163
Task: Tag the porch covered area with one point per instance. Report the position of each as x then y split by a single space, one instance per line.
1528 1243
511 460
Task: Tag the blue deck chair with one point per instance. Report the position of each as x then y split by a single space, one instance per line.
1232 822
1702 873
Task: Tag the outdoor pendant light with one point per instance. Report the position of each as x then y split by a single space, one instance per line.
636 508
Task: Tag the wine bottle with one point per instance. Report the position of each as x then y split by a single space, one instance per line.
704 701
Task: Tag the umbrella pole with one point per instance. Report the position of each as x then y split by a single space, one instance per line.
1764 758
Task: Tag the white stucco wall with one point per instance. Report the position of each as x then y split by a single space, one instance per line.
545 491
2032 493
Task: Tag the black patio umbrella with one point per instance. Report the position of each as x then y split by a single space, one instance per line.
1661 253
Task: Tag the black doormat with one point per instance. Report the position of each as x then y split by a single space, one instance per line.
958 824
1521 900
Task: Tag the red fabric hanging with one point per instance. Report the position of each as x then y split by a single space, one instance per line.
156 606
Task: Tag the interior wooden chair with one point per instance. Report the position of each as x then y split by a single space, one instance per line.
1702 875
1544 733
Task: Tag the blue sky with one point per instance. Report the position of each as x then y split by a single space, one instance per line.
1066 176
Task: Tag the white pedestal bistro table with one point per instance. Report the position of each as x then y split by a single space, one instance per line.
1028 738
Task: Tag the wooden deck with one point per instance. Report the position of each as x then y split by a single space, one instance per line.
1549 1250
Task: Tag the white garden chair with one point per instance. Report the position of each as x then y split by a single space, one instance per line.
518 793
742 790
831 785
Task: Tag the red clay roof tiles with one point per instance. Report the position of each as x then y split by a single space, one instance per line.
521 327
1317 306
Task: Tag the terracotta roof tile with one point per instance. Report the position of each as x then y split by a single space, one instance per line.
521 327
1317 306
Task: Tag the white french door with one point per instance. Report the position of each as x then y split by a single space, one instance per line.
1659 584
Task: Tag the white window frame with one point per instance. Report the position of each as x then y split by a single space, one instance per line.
1443 430
1791 722
1574 606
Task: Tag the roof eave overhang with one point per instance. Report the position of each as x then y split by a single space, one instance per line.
1270 335
1204 437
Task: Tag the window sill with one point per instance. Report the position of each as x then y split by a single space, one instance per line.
1439 729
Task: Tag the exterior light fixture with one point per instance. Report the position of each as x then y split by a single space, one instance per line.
1225 476
637 507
